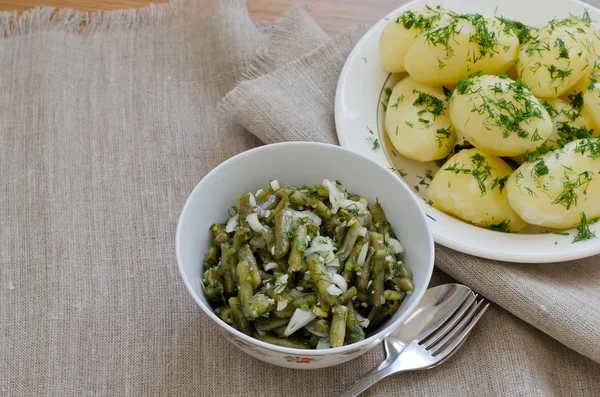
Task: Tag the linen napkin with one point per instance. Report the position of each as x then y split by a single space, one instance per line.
107 121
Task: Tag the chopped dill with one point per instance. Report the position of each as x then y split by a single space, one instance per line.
503 226
583 230
442 134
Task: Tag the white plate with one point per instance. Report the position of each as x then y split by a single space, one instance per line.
359 121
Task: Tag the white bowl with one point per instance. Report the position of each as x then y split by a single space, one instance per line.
358 99
297 163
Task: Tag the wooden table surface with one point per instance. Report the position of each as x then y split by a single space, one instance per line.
333 15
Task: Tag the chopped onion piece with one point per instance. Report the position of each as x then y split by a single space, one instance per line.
280 283
395 245
333 290
346 203
258 192
275 185
362 255
282 304
232 223
335 196
271 266
254 223
321 245
265 213
296 293
338 280
252 200
308 216
331 269
323 344
299 319
362 231
363 322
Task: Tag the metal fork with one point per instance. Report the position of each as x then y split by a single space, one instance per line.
429 349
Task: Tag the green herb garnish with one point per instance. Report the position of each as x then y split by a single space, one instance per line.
541 168
583 230
503 226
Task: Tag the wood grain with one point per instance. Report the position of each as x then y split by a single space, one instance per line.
333 15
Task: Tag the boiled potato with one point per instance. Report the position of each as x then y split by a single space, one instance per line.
583 83
556 189
562 54
567 125
590 106
402 32
499 115
471 186
417 121
465 45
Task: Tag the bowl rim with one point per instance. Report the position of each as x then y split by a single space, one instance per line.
383 332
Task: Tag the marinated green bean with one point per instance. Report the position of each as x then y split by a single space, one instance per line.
349 240
240 321
362 279
211 257
319 275
391 295
245 293
405 284
352 261
225 313
227 268
354 333
383 313
298 198
245 254
273 323
241 236
340 233
337 331
297 249
349 294
377 280
243 206
383 226
317 311
284 342
305 300
283 223
219 234
279 257
376 240
283 204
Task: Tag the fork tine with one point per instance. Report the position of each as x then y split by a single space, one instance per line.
441 338
431 330
448 349
453 319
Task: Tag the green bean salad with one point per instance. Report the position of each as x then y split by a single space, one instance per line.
308 267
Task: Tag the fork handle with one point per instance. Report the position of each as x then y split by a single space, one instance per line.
368 380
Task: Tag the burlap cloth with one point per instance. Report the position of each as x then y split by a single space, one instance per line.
106 124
